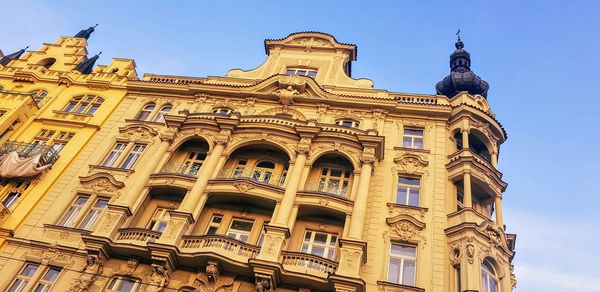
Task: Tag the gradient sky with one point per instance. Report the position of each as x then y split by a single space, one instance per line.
540 58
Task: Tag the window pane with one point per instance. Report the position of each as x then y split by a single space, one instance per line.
401 195
211 230
418 143
93 109
409 181
408 277
394 270
413 132
318 250
18 285
402 250
29 270
414 198
406 142
321 238
52 274
241 225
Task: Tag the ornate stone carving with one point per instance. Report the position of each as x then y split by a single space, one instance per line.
48 255
137 133
312 42
456 253
212 272
262 284
101 182
93 267
242 186
203 283
406 228
411 164
286 95
322 109
470 250
130 267
273 244
158 280
495 234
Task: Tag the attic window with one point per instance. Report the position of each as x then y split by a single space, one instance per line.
302 72
347 123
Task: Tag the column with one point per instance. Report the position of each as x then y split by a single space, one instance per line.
194 198
360 203
287 202
465 138
468 199
494 159
499 215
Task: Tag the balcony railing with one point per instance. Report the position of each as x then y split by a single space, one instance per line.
309 261
222 243
255 174
48 154
138 234
181 168
335 188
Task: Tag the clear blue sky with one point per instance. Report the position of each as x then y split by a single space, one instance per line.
540 58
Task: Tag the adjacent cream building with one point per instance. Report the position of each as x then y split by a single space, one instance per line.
294 176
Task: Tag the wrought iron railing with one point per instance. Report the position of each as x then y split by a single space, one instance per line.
48 154
255 174
189 169
331 187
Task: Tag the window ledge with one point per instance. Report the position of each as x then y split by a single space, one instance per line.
68 229
127 172
144 122
391 287
411 149
72 113
420 209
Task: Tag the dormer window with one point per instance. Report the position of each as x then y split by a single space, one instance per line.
347 123
302 72
221 111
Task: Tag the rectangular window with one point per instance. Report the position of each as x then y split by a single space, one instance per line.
46 282
92 216
240 229
69 219
133 156
58 146
319 244
214 224
10 199
408 191
193 162
413 138
23 277
2 113
302 72
402 265
159 220
114 155
123 284
334 181
239 169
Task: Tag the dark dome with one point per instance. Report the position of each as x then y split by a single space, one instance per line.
461 77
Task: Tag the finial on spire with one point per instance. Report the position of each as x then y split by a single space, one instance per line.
86 32
459 44
14 56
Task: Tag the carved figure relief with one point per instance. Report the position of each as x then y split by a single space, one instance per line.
158 280
93 267
406 228
137 133
214 283
470 250
411 164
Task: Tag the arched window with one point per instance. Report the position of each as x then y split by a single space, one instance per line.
160 117
221 111
123 284
489 279
38 96
347 123
145 112
263 171
86 104
47 63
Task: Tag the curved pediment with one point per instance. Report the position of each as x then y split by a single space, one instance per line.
310 41
137 131
101 182
406 227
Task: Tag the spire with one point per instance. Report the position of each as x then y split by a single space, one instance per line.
87 66
14 56
461 77
86 32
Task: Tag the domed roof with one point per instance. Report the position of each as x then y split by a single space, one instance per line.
461 77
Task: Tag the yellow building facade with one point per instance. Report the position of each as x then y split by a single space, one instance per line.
293 176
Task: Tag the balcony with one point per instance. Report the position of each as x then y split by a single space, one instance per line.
302 262
220 245
47 154
140 235
185 169
332 188
254 174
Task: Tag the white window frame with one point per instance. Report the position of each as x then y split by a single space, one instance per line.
25 280
116 281
325 180
213 224
329 248
69 219
407 193
403 259
488 276
145 113
411 144
44 284
113 156
161 216
193 162
347 123
95 212
238 233
133 156
160 115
